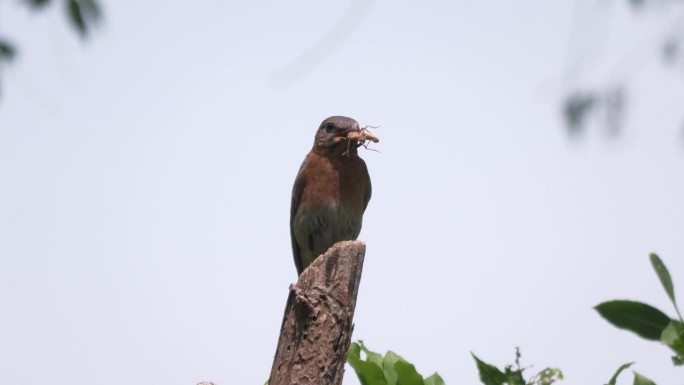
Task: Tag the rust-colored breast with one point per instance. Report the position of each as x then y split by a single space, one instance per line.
329 198
335 179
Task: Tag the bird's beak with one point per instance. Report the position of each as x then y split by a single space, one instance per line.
343 132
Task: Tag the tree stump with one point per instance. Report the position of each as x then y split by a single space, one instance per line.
317 325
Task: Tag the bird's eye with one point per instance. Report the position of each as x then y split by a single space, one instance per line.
329 126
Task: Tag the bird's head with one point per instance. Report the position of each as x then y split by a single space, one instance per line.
333 132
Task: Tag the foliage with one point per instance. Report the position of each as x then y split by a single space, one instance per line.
82 15
609 102
513 374
638 378
647 321
390 369
7 51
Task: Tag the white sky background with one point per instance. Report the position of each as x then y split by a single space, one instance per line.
146 178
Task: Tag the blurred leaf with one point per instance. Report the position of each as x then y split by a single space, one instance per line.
92 9
665 279
37 4
368 372
637 3
671 50
83 14
576 108
617 372
489 374
434 379
7 51
640 318
407 374
76 17
641 380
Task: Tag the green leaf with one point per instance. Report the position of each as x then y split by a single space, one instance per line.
673 336
489 374
617 372
76 17
665 280
407 374
434 379
641 380
548 376
371 356
388 362
640 318
514 377
368 373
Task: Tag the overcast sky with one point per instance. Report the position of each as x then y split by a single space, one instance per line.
145 182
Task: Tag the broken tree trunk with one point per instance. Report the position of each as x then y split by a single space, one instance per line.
317 326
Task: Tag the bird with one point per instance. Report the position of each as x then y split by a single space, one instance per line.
330 193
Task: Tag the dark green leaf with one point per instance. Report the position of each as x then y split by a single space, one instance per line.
83 14
368 372
640 318
617 373
7 51
641 380
76 17
665 279
407 374
489 374
514 376
434 379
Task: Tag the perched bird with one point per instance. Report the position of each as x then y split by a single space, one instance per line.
330 193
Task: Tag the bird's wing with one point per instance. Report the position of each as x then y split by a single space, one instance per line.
369 190
297 189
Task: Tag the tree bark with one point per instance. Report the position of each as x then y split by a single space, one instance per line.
317 325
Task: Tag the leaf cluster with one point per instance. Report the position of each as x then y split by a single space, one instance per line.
645 320
390 369
513 374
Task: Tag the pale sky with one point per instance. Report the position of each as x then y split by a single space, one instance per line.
146 179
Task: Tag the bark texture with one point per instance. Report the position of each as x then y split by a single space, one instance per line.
317 326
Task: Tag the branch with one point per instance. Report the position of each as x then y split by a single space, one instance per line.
317 325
